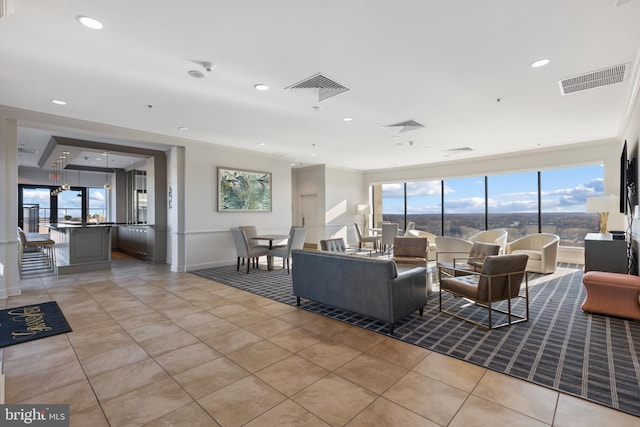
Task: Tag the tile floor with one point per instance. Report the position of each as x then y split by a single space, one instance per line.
151 347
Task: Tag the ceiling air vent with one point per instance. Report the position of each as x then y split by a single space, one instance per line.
607 76
404 126
459 150
319 86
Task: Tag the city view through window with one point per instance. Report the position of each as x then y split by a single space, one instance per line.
514 202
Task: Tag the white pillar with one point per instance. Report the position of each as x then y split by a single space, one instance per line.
176 212
9 277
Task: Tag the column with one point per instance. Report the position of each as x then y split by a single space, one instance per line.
9 277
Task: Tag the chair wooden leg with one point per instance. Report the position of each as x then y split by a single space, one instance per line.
248 264
238 265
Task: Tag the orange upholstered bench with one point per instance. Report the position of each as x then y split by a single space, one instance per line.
614 294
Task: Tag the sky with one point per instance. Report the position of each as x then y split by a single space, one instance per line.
563 190
66 199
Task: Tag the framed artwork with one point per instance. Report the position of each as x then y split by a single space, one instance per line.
243 190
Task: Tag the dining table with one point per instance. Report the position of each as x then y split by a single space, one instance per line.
270 238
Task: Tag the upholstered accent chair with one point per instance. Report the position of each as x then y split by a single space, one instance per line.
500 279
374 240
410 226
448 248
410 250
473 261
336 245
296 241
431 238
495 236
542 249
245 251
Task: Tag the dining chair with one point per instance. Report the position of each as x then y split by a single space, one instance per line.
296 241
389 232
366 239
245 251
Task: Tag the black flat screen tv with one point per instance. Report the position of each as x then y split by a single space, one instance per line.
627 181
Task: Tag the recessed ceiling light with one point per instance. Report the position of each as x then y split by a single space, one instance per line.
183 129
262 144
346 119
58 102
261 86
195 74
539 63
313 154
395 137
94 24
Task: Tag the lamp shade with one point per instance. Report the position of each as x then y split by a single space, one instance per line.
363 209
602 204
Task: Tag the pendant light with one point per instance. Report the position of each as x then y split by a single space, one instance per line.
107 186
65 186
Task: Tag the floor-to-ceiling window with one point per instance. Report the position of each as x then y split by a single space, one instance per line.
552 201
564 194
424 205
464 207
512 203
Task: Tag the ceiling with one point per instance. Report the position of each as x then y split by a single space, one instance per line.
461 69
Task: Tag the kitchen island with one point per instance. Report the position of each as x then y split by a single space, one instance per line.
81 247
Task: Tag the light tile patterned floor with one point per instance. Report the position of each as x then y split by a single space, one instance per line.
151 347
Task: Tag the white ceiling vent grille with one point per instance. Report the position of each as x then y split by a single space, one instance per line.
319 86
459 150
405 126
607 76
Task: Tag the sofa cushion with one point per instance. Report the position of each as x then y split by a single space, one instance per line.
533 254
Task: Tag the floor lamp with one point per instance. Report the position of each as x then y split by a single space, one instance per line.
602 206
364 211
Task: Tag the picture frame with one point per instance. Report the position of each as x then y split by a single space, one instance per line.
241 190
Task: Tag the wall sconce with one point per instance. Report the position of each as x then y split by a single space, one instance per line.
602 206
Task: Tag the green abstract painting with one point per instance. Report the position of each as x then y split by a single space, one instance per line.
242 190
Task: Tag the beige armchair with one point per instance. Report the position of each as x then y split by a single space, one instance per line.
448 248
410 250
495 236
542 249
431 238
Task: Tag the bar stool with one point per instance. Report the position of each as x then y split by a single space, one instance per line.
41 250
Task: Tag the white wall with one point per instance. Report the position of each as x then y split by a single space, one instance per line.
208 240
306 182
345 190
37 176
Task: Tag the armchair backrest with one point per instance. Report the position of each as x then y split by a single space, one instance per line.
448 248
358 233
410 226
410 247
333 245
506 273
496 236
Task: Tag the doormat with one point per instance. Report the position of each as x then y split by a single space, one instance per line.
31 322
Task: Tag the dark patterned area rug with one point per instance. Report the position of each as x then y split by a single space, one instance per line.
560 347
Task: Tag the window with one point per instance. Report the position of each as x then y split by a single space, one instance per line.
564 195
513 203
70 205
424 205
464 207
97 204
551 201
